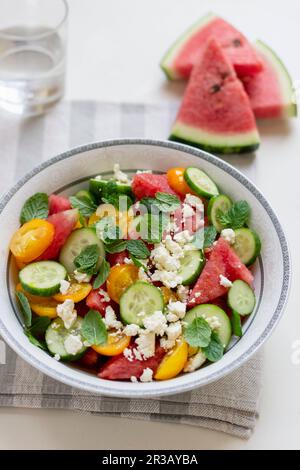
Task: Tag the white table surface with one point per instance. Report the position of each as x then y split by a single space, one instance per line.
114 50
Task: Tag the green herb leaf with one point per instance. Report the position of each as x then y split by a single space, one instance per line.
107 230
102 275
138 263
36 207
236 324
39 326
115 247
198 333
25 309
210 234
215 350
93 328
167 202
110 195
236 217
36 342
152 227
86 207
86 261
138 249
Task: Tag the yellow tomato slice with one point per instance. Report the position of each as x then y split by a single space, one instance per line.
93 219
120 277
173 362
76 292
115 345
168 295
192 350
177 182
31 240
42 306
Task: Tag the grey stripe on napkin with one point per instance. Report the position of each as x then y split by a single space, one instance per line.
230 404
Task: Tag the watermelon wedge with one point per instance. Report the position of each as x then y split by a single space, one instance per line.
215 113
222 261
271 90
148 184
187 50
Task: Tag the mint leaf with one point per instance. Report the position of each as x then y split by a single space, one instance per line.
86 206
198 333
215 350
210 234
25 308
39 326
152 227
111 195
167 202
36 207
86 261
107 230
93 328
138 263
236 217
36 342
115 247
102 274
138 249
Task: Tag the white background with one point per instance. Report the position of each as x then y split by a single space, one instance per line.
114 50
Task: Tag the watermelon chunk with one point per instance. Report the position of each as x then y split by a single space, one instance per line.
215 113
64 223
58 204
271 90
96 301
120 368
188 49
147 185
222 261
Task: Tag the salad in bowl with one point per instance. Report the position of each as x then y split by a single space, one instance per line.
138 277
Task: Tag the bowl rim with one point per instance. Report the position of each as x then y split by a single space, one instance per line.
191 384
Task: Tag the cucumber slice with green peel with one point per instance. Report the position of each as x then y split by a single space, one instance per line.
247 245
236 324
191 266
96 187
241 298
140 300
85 196
216 204
42 278
208 311
76 242
55 336
200 182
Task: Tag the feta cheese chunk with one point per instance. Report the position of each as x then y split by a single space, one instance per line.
133 379
119 175
64 286
194 201
182 293
146 344
177 308
224 281
110 319
156 323
183 237
195 362
73 344
104 295
187 211
146 375
67 313
128 260
131 330
128 354
81 277
57 357
174 331
229 235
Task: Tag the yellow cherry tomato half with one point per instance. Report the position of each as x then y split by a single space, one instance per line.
120 277
93 219
177 182
173 362
41 306
31 240
115 345
192 350
76 292
168 295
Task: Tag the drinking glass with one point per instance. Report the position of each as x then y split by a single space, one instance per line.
32 54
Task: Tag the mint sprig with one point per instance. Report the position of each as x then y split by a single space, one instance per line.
87 260
93 328
138 249
102 274
85 206
214 350
236 216
198 333
210 234
162 202
36 207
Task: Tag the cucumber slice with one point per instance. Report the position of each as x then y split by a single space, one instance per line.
96 187
216 203
86 196
241 298
79 239
42 278
208 311
200 182
140 297
247 245
191 266
236 324
56 335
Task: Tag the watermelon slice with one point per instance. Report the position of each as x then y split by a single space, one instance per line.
271 90
147 185
222 261
187 50
63 222
215 113
58 204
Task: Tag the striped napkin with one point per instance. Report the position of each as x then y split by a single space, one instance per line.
230 404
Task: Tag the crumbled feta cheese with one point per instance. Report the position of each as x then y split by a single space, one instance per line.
195 362
64 286
81 277
167 343
182 293
54 325
133 379
57 356
213 322
131 330
194 201
137 354
119 175
187 211
146 375
168 278
156 323
98 178
163 260
224 281
128 260
197 294
146 344
177 308
111 319
174 331
183 237
73 344
104 295
142 275
173 247
128 354
171 317
67 313
229 235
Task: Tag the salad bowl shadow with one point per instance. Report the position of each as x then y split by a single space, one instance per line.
69 172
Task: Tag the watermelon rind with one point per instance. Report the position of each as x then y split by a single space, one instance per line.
172 52
215 142
284 79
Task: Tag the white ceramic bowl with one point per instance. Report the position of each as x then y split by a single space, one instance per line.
68 172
